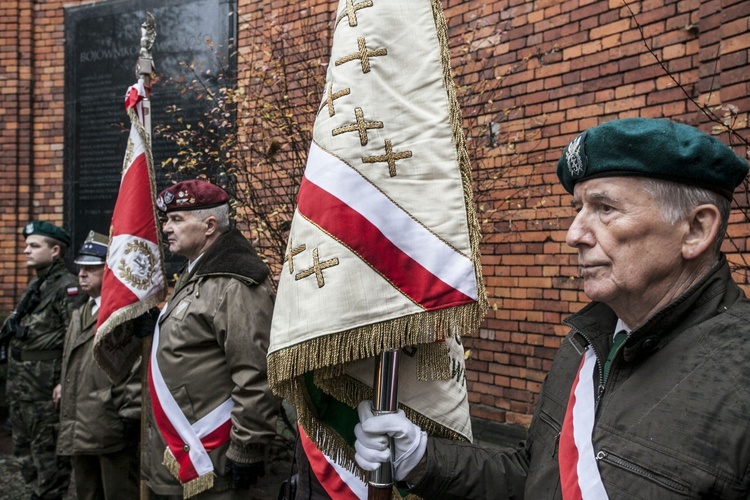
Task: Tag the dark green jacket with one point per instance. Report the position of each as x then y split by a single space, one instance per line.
673 420
49 320
33 380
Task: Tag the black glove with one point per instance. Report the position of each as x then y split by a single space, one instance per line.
144 325
131 429
244 475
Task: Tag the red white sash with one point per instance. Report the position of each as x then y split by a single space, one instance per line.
188 444
338 482
579 473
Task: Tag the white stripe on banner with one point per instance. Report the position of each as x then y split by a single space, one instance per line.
334 176
190 434
584 411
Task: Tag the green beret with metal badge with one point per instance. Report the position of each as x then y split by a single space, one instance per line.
656 148
44 228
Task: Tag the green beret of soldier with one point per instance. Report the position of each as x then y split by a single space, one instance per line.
657 148
191 195
44 228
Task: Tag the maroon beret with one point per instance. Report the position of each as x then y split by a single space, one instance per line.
191 195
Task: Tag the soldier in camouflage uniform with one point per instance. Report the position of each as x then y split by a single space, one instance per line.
37 332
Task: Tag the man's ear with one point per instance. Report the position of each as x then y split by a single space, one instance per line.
703 226
56 251
211 225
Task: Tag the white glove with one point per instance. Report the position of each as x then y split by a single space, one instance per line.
373 441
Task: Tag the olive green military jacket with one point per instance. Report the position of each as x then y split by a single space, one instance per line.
213 341
671 420
49 320
92 409
33 380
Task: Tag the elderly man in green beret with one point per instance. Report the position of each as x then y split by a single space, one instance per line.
36 329
648 394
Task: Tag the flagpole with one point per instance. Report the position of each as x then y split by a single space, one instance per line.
384 400
144 68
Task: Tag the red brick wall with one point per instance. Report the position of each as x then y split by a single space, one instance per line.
15 131
31 129
543 71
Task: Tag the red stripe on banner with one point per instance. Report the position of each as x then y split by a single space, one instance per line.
133 213
363 238
568 453
324 471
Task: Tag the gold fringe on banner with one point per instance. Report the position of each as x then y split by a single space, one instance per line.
341 348
116 348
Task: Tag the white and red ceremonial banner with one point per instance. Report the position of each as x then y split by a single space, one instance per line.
383 250
134 277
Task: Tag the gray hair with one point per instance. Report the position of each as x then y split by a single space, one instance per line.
676 200
220 213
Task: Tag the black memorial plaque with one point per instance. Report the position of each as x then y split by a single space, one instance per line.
102 44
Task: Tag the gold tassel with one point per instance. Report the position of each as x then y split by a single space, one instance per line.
192 487
171 463
198 485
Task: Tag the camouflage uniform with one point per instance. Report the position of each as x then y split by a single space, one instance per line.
34 367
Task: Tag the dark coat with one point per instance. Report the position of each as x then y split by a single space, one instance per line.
672 420
93 410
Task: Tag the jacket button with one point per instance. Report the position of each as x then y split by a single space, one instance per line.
186 449
650 343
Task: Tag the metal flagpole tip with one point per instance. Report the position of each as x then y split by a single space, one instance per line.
145 65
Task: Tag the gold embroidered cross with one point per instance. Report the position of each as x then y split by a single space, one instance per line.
290 255
389 157
363 55
361 126
330 97
350 11
317 269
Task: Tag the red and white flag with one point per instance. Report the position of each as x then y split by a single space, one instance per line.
383 250
134 277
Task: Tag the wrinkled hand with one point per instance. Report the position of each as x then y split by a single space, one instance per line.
56 395
244 475
144 325
373 441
